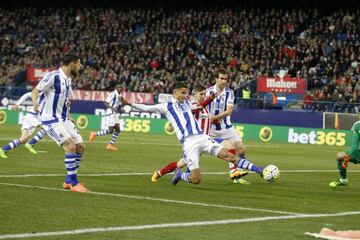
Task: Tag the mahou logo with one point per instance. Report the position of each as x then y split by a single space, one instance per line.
282 84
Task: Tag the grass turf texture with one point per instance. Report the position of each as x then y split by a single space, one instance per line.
34 209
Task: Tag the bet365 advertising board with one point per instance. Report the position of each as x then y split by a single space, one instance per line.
249 132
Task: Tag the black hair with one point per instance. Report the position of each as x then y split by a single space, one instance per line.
179 84
69 58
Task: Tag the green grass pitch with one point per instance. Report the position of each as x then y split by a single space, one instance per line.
125 204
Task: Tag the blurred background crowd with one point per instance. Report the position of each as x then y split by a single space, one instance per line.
146 48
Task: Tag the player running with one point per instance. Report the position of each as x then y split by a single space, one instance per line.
111 118
31 121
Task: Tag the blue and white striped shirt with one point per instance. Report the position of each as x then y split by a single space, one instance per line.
219 105
113 100
56 87
179 114
27 96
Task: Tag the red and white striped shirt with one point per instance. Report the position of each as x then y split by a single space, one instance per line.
203 119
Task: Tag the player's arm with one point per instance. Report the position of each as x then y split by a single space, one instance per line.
159 108
204 103
355 143
34 98
46 82
21 100
228 112
229 108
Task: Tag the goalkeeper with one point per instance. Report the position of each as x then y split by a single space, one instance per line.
351 155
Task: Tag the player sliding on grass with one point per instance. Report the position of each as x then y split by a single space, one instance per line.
178 111
203 119
30 122
351 155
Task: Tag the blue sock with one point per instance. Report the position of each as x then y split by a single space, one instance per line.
245 164
78 160
102 132
185 177
13 144
39 135
114 137
71 169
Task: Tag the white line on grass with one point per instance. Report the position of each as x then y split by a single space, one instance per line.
173 225
148 174
158 143
157 199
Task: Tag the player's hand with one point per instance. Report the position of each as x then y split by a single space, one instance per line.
14 108
344 164
214 120
36 108
124 101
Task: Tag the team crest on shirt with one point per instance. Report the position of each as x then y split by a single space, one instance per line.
61 136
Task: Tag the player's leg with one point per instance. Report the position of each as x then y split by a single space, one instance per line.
106 131
79 151
341 157
170 167
115 135
25 134
37 137
240 162
191 157
60 134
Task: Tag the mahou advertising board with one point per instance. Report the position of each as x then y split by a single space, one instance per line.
285 85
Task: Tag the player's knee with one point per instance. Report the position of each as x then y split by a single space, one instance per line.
80 148
111 130
196 180
340 156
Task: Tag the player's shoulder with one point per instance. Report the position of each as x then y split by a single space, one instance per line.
356 126
211 88
227 89
51 75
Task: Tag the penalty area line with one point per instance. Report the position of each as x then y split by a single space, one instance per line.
173 225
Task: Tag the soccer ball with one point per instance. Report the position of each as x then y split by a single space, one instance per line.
271 173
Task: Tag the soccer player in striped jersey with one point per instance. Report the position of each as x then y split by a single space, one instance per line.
220 110
30 122
178 111
202 117
55 118
111 118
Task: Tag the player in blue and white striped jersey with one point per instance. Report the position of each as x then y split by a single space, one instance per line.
220 110
54 114
178 111
30 122
111 118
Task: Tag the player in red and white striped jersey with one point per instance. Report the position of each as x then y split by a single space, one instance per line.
203 118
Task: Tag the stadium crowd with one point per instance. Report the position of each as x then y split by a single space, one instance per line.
147 49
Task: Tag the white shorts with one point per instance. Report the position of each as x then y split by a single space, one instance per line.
61 131
111 120
30 122
195 145
226 134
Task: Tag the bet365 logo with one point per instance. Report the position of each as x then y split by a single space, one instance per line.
317 137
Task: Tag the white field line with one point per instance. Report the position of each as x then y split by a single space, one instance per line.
159 143
149 174
157 199
173 225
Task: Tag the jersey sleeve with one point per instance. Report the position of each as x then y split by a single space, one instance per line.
230 99
23 98
355 140
159 108
109 97
46 82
